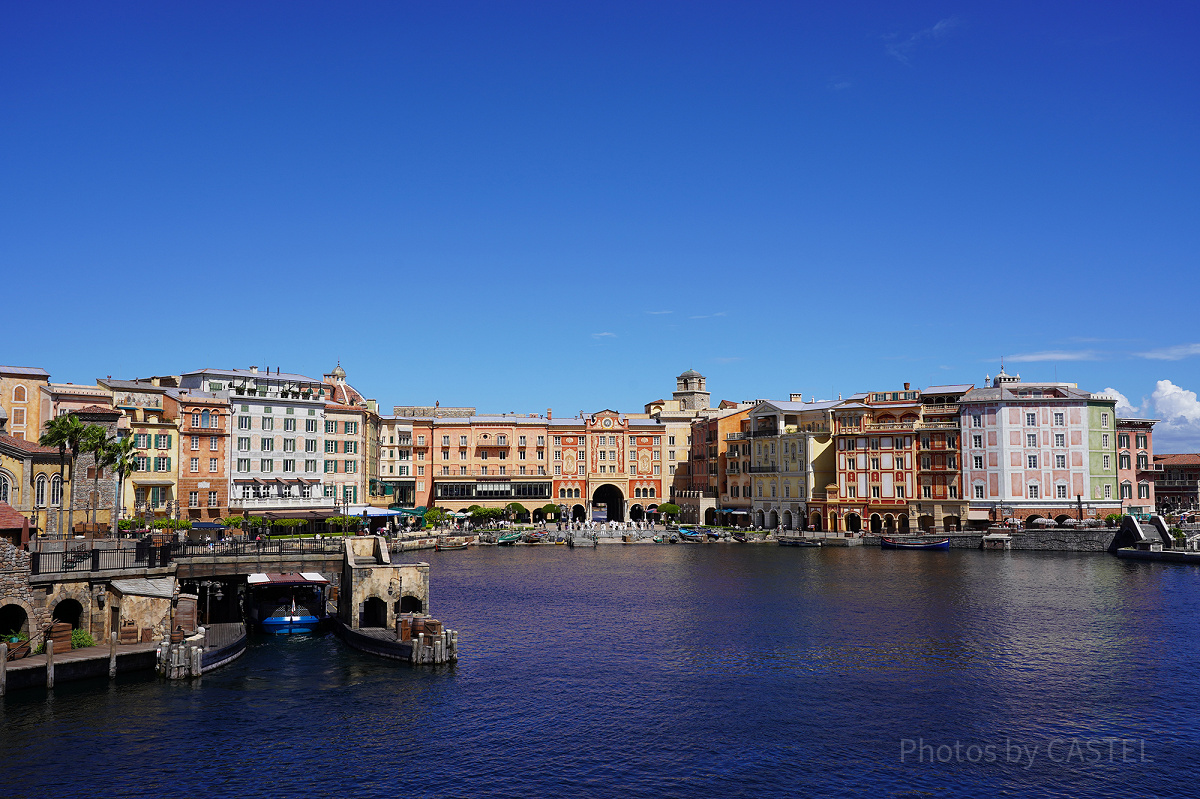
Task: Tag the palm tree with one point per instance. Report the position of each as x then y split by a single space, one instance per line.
63 432
124 462
105 459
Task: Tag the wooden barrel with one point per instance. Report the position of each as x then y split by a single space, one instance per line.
418 626
177 635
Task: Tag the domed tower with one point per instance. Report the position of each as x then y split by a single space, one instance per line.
689 390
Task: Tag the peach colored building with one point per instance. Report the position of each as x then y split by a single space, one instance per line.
204 452
20 397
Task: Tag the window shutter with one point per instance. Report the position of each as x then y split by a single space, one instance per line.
168 460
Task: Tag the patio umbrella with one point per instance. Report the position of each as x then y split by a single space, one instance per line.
1071 523
1044 522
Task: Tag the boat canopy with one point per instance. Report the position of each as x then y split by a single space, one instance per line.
288 578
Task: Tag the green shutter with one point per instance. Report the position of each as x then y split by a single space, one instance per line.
168 437
168 459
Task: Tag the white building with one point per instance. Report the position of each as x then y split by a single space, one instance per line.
277 438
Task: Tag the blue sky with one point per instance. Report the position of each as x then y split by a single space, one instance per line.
528 205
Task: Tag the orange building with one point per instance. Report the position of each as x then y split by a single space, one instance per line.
20 396
204 424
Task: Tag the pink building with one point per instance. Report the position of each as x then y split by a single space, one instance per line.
1136 469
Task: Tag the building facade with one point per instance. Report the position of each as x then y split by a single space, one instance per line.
1177 483
1136 468
20 398
791 456
203 478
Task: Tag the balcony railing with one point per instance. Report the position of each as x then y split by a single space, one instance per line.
770 467
762 433
252 503
891 426
735 436
939 426
142 556
941 409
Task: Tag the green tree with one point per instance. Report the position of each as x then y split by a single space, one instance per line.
435 517
550 510
481 517
97 444
67 433
669 510
124 463
515 510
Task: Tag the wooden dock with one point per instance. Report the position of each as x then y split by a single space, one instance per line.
44 671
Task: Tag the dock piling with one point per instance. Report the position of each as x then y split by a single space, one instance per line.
49 647
112 656
3 667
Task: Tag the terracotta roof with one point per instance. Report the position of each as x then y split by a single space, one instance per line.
9 518
1185 459
337 406
32 447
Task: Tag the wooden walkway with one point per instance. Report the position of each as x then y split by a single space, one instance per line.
77 664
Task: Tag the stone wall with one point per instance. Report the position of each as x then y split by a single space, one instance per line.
15 588
1094 539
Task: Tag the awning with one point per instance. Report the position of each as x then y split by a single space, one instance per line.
207 526
375 512
974 515
153 481
289 578
410 511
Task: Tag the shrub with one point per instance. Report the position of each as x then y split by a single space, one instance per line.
81 638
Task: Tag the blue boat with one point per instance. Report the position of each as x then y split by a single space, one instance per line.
287 603
914 543
690 537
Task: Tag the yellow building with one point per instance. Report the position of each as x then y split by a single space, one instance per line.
152 418
20 397
29 480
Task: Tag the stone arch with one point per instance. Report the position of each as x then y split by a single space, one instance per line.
787 519
758 518
815 521
951 523
876 523
710 517
14 618
925 522
411 604
1029 520
772 519
374 613
578 514
853 522
889 524
636 514
68 610
1061 518
903 522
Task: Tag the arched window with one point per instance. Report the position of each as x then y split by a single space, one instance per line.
204 418
562 493
19 394
39 495
56 491
3 488
651 492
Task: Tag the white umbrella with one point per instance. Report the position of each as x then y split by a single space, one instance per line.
1044 521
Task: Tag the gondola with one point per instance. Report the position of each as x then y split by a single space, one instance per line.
914 543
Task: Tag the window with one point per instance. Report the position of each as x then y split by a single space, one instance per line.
331 427
350 446
141 440
978 461
976 420
953 492
557 468
243 464
162 441
1104 441
193 499
162 464
1124 461
212 499
520 454
978 492
874 492
268 423
195 442
1123 440
1104 420
1142 460
671 442
1107 461
289 465
445 441
1141 440
194 464
976 441
289 425
266 465
310 465
310 425
900 492
1060 491
1060 461
1031 419
1060 439
1034 491
1126 491
1032 461
1060 419
266 444
1031 440
289 445
212 465
926 492
1143 491
330 467
581 469
40 492
243 423
330 445
213 443
1107 491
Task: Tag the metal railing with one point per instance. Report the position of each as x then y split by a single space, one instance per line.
250 548
762 433
142 556
770 467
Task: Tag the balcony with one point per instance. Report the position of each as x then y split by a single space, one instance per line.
893 426
941 409
265 503
770 467
939 426
735 436
762 433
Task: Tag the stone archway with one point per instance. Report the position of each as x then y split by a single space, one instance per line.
876 524
69 611
14 619
612 499
710 517
772 519
787 519
636 514
889 524
578 514
816 521
951 523
853 522
925 523
903 522
374 613
411 604
758 519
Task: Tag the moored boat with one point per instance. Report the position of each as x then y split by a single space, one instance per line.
287 603
689 536
914 543
715 535
739 537
508 539
440 547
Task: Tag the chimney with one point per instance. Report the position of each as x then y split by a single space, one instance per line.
797 398
254 369
906 385
549 413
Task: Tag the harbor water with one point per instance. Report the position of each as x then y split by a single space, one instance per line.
689 671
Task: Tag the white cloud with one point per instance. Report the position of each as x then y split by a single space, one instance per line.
1053 355
604 335
1176 353
658 313
1124 406
1179 410
900 50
